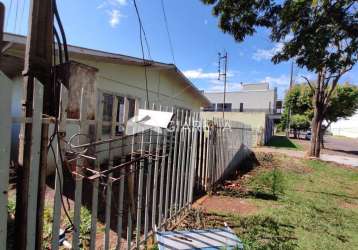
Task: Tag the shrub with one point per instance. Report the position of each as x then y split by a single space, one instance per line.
269 183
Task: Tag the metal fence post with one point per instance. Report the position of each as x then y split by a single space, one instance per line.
5 145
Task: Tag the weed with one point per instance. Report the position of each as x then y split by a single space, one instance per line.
11 206
270 183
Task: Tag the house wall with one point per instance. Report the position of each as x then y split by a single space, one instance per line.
123 80
129 80
347 127
253 100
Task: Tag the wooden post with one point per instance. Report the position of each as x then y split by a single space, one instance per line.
38 63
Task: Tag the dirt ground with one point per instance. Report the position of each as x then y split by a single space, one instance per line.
224 204
334 145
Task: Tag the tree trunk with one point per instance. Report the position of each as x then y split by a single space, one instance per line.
316 125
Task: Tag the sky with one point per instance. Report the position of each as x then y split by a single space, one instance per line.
112 26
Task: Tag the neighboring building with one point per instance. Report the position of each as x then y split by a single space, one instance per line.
255 105
109 77
346 127
256 97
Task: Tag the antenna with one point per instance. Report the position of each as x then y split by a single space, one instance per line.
224 74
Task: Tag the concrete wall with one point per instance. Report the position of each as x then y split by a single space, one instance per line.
254 120
257 121
253 100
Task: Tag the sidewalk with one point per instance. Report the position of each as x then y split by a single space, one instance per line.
345 160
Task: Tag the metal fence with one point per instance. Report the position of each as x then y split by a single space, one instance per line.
130 184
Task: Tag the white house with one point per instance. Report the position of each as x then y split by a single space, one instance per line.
109 77
346 127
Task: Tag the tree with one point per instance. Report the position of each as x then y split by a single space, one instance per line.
319 35
299 123
343 104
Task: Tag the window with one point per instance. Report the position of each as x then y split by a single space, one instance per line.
241 107
211 107
107 113
120 116
222 107
108 101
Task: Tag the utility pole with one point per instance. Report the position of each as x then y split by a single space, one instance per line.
37 64
289 109
224 57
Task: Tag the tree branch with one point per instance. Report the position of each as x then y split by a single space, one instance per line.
308 82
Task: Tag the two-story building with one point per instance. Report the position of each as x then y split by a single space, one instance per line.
255 104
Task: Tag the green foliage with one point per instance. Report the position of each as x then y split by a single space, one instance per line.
11 206
300 122
47 228
320 35
318 210
343 104
85 226
317 34
270 182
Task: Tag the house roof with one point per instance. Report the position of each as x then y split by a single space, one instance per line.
18 42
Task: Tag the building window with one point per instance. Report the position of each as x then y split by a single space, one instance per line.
222 107
107 113
108 101
211 107
241 107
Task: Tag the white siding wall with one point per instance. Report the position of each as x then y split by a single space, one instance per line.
164 88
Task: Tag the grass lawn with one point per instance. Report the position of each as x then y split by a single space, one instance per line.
283 142
316 206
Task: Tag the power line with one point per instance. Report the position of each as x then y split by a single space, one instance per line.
141 29
168 33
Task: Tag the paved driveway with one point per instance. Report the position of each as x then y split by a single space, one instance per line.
344 145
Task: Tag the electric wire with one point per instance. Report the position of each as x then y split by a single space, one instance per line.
59 22
168 32
58 41
141 29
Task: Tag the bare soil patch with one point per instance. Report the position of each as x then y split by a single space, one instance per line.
224 204
349 205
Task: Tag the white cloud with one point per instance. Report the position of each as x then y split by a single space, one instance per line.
282 80
200 74
218 86
267 54
115 16
113 8
121 2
